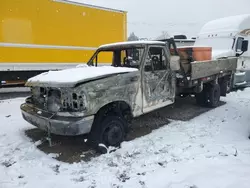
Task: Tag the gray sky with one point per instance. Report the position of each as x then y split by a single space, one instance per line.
149 18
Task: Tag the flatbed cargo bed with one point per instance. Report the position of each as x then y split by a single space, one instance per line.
202 72
196 72
201 69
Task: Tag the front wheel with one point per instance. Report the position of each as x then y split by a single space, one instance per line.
109 132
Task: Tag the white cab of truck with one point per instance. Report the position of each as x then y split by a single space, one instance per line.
228 37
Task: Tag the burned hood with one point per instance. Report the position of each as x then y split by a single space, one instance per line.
71 77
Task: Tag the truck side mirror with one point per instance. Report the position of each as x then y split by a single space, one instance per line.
244 46
175 63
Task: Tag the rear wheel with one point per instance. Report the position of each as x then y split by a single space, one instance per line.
214 95
224 86
209 97
202 97
230 85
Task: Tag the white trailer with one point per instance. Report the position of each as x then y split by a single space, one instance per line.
229 36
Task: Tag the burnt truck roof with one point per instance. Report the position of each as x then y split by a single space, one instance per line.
130 44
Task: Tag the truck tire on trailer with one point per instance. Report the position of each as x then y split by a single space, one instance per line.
109 131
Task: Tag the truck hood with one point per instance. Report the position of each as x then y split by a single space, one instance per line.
222 53
71 77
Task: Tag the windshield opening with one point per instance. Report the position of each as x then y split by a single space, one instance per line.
123 57
239 44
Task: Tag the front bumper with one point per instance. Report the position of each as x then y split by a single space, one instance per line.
240 79
59 125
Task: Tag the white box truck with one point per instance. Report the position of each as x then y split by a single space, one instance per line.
229 36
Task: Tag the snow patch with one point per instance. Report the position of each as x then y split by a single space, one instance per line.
211 150
53 155
79 74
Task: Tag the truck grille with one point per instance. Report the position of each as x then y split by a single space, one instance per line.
54 100
46 99
38 97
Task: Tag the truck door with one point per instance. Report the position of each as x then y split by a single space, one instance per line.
158 80
241 76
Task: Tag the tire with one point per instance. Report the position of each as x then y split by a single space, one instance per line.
202 98
230 85
110 131
214 95
224 87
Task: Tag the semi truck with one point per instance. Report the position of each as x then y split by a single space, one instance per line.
38 36
101 101
227 36
180 40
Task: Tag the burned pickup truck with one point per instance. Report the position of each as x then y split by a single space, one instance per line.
100 101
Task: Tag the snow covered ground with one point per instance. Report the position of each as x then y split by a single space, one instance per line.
209 151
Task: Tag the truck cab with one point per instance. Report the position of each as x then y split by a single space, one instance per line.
152 59
229 37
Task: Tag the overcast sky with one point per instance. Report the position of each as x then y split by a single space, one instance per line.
149 18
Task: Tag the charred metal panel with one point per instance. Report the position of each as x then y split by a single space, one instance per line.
91 96
158 79
159 87
52 99
58 124
202 69
123 87
38 96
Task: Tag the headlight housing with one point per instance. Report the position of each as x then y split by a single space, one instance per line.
74 101
79 101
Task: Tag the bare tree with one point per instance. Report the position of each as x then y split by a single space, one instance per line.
132 37
164 35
